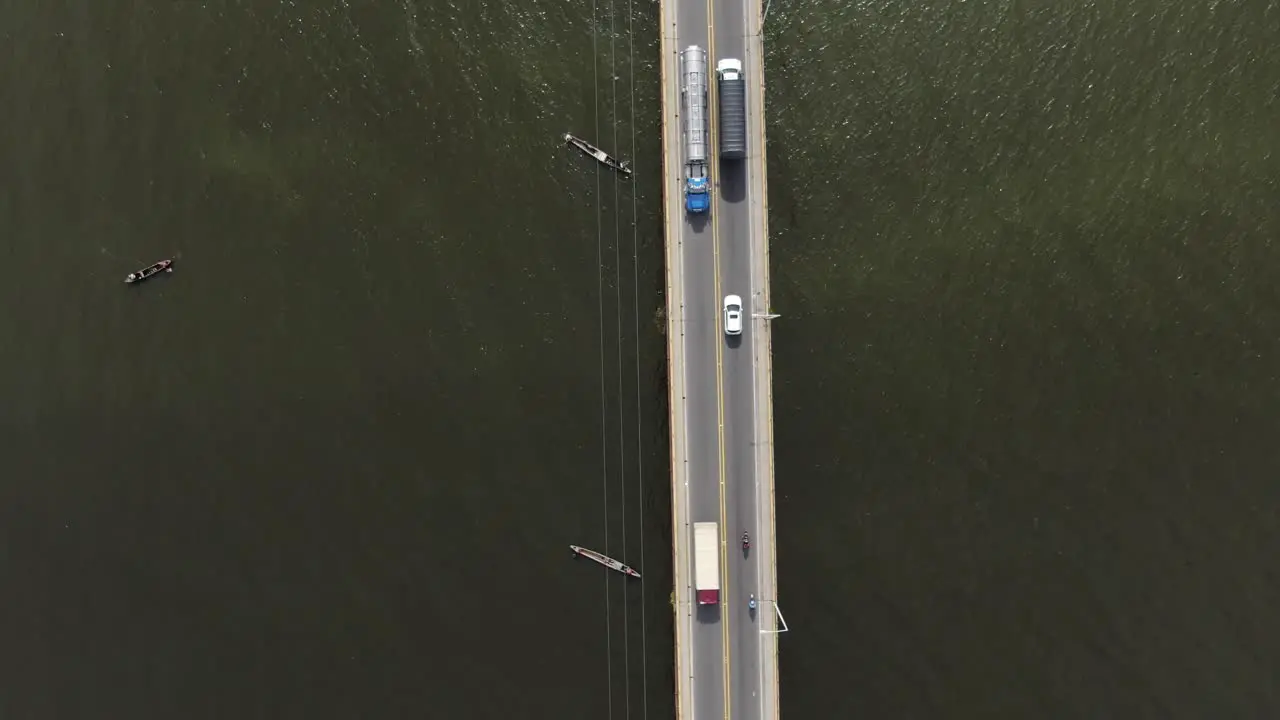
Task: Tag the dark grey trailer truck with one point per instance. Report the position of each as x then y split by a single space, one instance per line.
733 110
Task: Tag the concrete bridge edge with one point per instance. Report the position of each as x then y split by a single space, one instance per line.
764 365
675 361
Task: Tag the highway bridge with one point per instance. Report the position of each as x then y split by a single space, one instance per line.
721 386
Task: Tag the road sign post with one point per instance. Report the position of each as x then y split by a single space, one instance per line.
762 315
777 611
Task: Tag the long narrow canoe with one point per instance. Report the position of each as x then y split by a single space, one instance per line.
149 271
604 560
603 157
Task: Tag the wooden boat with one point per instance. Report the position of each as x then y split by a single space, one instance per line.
603 157
604 560
149 271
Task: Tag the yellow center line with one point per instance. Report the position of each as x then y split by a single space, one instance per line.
713 172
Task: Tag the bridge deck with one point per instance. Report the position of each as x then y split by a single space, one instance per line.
720 388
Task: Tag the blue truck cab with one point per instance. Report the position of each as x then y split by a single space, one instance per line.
697 195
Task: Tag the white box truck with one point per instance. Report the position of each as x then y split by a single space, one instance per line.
706 562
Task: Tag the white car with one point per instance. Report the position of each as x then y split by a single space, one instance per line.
732 315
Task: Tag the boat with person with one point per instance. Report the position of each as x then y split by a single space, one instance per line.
603 157
149 271
604 560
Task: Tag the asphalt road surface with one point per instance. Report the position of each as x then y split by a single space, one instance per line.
721 403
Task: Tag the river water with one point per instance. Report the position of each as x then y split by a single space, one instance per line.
412 349
1025 256
331 466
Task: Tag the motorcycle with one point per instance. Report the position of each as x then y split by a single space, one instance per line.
751 604
746 542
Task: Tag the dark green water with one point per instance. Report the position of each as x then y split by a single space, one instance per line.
1026 372
331 466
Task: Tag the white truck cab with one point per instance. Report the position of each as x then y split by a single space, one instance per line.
729 69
